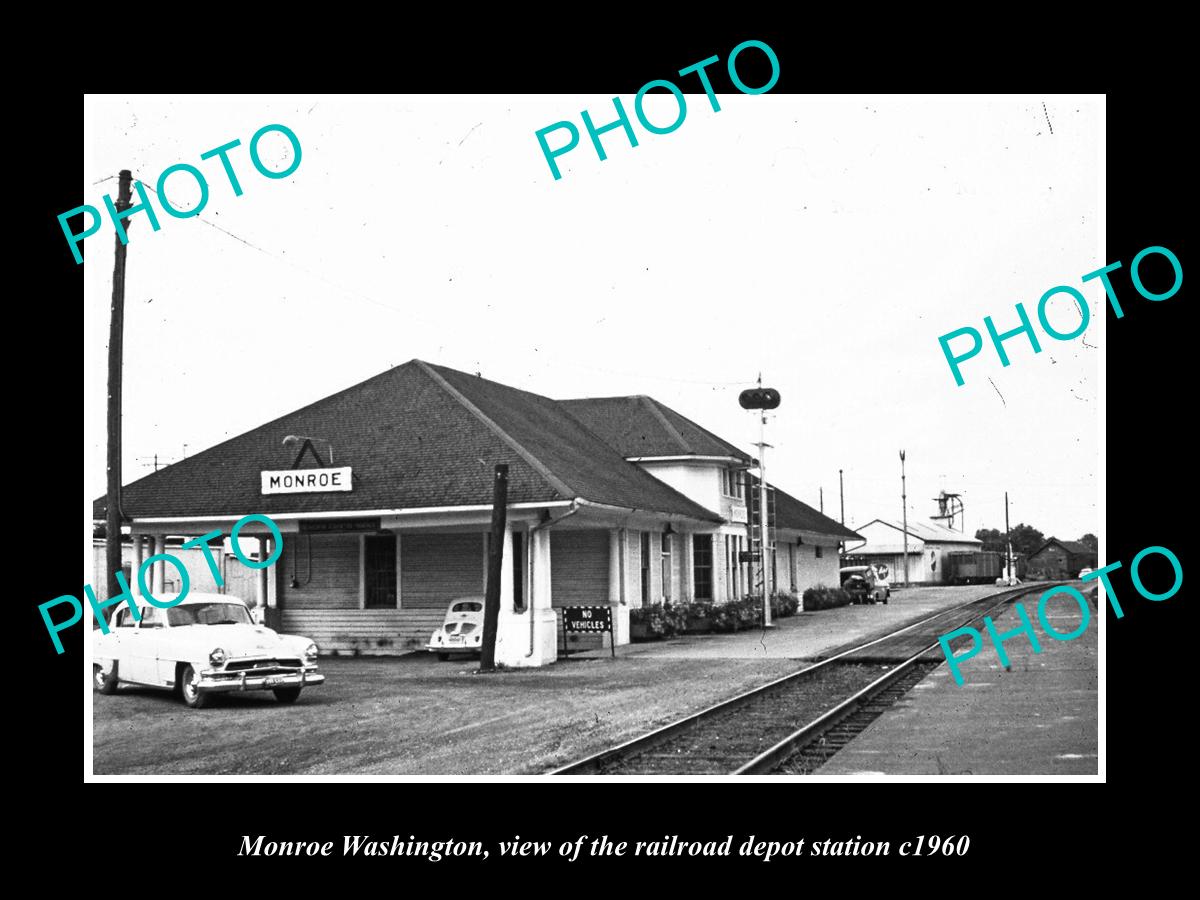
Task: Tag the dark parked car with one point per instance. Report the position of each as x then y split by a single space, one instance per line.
864 585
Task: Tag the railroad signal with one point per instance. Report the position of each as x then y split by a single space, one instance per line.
759 398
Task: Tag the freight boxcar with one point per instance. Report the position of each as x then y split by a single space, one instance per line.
974 567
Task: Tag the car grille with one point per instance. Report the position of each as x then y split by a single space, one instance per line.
260 665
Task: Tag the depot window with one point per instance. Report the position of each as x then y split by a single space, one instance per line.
666 567
702 566
731 484
645 555
379 571
733 568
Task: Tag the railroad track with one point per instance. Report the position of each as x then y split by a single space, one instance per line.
794 724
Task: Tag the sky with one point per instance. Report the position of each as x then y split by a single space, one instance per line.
824 242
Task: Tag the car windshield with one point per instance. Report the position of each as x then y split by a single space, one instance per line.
469 606
209 614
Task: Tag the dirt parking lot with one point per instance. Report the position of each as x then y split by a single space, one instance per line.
412 715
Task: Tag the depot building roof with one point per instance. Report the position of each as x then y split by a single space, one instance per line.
799 516
640 427
417 436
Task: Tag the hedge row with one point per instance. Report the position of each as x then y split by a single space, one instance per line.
668 620
822 597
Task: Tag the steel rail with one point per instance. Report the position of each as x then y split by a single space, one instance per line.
772 757
596 761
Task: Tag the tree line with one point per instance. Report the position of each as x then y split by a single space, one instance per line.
1025 539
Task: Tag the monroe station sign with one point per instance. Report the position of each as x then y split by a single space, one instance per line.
306 481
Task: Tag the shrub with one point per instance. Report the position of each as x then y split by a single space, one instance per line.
675 619
822 597
750 611
725 616
651 616
701 610
785 603
660 620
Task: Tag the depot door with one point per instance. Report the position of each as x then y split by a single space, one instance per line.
579 567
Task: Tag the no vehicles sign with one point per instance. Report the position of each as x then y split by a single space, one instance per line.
589 619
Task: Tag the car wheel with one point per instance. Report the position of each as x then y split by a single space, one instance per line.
442 657
189 681
287 695
105 684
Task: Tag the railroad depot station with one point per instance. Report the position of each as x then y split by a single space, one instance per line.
383 496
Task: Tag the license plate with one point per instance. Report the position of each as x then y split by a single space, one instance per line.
273 680
456 638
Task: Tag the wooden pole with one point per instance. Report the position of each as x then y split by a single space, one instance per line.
842 496
116 329
491 603
1008 575
842 500
904 514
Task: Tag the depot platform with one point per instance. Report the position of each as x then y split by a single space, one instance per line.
809 635
1039 717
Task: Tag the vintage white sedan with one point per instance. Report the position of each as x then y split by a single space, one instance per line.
205 645
461 631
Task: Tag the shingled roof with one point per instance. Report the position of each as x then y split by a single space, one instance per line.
416 436
640 426
796 514
1074 547
799 516
932 532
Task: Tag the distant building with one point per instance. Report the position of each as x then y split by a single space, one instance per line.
928 544
1057 559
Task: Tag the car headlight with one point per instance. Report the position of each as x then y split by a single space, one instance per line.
311 651
218 657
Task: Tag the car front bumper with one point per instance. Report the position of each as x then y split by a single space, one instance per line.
453 648
219 682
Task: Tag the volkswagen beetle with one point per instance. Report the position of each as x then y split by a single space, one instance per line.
462 629
206 644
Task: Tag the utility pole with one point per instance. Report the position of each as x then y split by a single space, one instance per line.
491 603
1008 574
822 490
116 330
904 506
842 496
